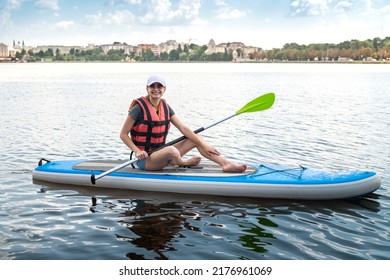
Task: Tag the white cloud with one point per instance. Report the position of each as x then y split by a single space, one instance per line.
329 7
343 6
199 22
5 12
229 13
220 3
48 4
190 8
118 18
347 16
161 11
386 10
132 2
121 17
309 7
65 25
226 11
13 4
5 17
94 19
139 2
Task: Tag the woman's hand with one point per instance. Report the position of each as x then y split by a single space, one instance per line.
212 151
141 155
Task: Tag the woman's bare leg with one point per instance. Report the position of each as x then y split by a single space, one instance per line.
173 155
166 156
227 166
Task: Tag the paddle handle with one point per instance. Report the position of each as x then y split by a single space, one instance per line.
94 178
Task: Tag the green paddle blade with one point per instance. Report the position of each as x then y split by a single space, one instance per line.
260 103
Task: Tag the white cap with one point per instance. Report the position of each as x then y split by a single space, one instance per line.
156 79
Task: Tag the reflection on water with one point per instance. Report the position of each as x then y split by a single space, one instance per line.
155 227
255 240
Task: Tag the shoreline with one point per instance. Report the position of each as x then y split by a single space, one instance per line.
211 62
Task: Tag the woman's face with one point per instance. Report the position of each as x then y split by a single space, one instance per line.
155 90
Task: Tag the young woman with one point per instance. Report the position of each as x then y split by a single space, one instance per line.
148 124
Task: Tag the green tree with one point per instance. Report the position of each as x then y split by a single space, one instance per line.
174 55
183 56
19 55
292 46
49 52
147 55
112 55
292 54
164 56
186 50
58 56
365 52
41 54
179 49
227 56
377 42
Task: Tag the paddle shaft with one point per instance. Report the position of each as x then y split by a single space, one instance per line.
127 163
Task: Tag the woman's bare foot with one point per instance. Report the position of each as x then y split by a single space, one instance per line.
194 161
233 167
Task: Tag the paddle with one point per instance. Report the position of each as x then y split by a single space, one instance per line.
260 103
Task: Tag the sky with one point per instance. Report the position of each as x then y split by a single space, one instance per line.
261 23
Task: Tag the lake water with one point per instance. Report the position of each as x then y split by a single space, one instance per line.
330 116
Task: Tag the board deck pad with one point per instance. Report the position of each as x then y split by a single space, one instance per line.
207 168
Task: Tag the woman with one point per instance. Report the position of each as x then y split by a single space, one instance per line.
148 124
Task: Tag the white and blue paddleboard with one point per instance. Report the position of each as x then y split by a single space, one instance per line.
262 181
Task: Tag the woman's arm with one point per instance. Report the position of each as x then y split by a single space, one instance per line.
124 135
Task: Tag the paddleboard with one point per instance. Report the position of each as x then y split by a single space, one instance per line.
259 180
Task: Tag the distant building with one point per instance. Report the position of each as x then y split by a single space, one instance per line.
213 48
12 51
247 51
237 49
62 49
168 46
235 45
143 47
3 50
127 49
235 55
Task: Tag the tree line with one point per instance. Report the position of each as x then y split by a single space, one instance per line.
378 49
192 52
356 50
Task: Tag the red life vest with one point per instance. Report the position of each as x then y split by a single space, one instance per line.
153 131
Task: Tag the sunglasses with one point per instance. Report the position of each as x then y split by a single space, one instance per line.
158 85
